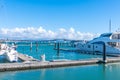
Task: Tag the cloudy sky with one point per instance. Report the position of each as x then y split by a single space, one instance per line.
51 19
41 33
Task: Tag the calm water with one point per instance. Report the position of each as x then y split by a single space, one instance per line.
89 72
50 53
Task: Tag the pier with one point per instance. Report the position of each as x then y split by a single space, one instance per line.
52 64
24 57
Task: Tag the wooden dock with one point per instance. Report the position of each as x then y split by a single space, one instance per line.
24 57
51 64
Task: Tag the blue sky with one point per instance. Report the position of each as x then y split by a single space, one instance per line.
85 16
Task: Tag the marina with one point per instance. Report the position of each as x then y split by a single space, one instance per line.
29 62
66 58
59 40
53 54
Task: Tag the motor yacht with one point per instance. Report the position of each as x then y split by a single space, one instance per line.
111 41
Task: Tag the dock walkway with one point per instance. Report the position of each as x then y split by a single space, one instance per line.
24 57
50 64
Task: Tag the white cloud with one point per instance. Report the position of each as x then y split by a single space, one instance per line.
41 33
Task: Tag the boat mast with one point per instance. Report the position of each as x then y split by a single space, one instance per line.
110 25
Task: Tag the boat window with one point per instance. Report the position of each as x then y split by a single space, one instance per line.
113 44
89 46
96 46
116 36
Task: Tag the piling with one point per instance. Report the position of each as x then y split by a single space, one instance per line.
36 46
30 46
58 48
104 50
104 53
93 50
55 46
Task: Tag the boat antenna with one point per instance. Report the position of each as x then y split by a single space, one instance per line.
110 25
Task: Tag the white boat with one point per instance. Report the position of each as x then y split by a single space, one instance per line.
9 52
3 48
2 52
111 40
11 55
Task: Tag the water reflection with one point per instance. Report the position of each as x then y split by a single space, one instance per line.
42 75
111 71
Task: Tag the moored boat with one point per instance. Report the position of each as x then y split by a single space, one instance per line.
111 40
9 52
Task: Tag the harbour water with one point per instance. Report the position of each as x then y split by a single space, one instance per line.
89 72
51 53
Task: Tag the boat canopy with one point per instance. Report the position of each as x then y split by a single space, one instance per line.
106 35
